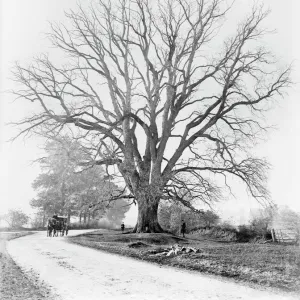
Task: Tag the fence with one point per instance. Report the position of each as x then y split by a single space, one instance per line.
285 236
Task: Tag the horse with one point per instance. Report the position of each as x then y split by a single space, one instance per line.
51 227
58 228
66 228
62 227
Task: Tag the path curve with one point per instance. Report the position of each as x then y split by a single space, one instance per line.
74 272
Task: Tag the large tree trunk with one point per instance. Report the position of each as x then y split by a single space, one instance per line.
147 214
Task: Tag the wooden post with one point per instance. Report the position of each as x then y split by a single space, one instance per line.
273 235
281 236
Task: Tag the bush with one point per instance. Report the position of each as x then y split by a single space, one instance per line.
227 227
245 234
248 234
242 234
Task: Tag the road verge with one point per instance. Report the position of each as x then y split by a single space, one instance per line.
14 283
264 266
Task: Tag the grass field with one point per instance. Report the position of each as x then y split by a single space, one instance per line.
267 265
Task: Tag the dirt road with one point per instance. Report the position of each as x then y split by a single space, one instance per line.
74 272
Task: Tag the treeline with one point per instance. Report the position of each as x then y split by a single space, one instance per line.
208 223
68 187
258 228
170 216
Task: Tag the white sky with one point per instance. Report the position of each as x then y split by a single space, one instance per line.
22 28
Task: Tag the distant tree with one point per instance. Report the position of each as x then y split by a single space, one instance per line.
286 218
15 218
66 188
262 219
39 219
164 215
115 214
210 218
177 212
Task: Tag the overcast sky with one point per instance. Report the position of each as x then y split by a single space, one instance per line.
23 24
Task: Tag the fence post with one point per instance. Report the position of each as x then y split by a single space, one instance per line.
282 240
273 235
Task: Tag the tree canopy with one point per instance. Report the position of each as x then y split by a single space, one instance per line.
65 188
160 95
15 218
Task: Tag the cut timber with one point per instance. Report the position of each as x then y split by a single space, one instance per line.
174 250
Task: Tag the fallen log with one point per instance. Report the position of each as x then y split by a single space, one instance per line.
173 250
176 249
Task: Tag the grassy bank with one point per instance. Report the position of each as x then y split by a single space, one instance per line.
14 284
266 265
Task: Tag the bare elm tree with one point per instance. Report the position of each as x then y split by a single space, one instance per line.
161 96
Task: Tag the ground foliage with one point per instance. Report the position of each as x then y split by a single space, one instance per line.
264 265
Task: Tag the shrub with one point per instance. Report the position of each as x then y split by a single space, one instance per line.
227 227
246 234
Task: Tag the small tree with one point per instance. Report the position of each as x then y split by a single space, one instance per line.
287 219
64 188
262 220
15 218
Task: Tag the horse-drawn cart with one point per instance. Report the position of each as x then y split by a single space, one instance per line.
57 224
